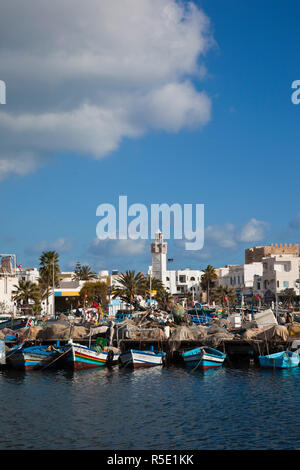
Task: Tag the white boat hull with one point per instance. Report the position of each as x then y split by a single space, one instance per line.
137 359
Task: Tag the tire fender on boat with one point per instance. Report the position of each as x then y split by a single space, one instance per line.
110 356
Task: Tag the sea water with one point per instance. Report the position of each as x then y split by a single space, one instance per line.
158 408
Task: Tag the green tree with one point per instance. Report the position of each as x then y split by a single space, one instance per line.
224 295
24 292
207 279
289 296
83 273
164 299
155 285
93 291
129 286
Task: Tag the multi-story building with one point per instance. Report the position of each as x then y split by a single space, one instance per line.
280 272
239 277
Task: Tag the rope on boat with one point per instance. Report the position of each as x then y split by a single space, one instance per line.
16 350
50 363
198 363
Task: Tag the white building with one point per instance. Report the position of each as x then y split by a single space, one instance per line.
28 274
180 281
280 272
8 281
240 276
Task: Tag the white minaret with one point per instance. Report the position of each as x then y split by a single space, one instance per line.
159 257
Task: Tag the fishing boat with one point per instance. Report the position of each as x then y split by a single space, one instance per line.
13 324
83 357
33 357
135 358
204 358
280 360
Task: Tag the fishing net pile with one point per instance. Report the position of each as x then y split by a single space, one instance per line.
222 322
31 334
54 331
216 335
184 333
272 333
251 333
140 334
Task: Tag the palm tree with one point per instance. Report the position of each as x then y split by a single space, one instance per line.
164 299
207 279
129 286
154 284
24 292
224 295
289 296
49 271
189 298
83 273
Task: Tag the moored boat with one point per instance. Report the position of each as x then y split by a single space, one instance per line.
204 358
135 358
33 357
82 357
280 360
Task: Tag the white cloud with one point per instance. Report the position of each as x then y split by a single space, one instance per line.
253 231
222 236
118 248
81 77
61 245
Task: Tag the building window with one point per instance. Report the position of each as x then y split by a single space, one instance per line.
285 284
167 278
278 284
192 278
258 286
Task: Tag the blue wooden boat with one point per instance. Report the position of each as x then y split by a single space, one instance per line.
33 357
199 316
281 360
204 358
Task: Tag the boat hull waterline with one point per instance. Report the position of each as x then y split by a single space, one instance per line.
33 358
137 359
81 357
204 358
281 360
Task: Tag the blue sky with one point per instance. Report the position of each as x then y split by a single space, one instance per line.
242 162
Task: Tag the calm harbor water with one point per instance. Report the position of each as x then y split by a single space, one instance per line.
159 408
